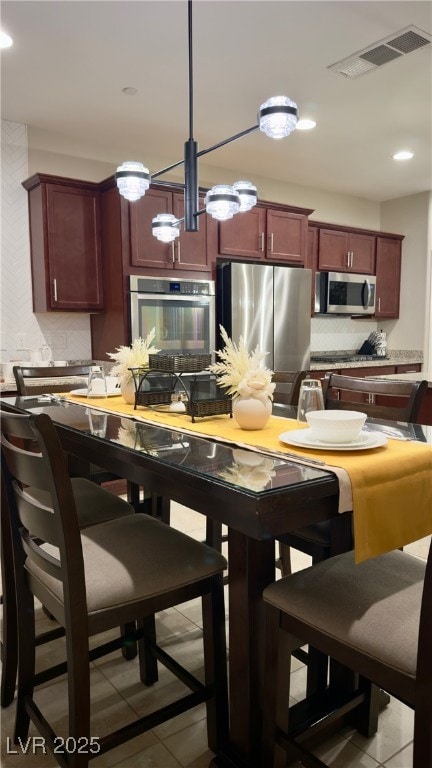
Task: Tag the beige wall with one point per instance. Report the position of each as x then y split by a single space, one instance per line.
411 216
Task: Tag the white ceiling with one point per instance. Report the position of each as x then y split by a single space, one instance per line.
71 59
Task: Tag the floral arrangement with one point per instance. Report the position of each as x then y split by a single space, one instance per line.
241 372
135 356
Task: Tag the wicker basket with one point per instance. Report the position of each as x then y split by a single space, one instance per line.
179 363
202 408
149 394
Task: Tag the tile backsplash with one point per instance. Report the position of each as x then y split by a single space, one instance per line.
340 333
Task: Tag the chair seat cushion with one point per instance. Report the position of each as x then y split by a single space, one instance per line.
373 606
94 504
134 558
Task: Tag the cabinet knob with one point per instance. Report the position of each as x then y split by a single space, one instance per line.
261 242
173 252
55 289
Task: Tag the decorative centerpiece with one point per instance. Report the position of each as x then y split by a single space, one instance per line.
135 356
243 376
250 470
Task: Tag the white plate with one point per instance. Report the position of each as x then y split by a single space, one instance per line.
83 393
304 439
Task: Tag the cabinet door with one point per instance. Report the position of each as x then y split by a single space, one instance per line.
332 251
146 250
362 253
190 249
244 235
286 236
341 251
73 278
311 260
388 271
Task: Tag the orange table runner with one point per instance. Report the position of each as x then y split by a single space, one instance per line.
390 489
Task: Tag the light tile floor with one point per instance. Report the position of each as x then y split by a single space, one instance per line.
118 696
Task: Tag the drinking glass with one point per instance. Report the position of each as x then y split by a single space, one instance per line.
310 398
96 386
98 423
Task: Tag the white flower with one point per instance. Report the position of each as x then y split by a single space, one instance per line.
241 372
257 383
254 477
135 356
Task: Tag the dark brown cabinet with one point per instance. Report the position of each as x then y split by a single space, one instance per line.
344 251
388 273
191 251
65 244
266 233
311 261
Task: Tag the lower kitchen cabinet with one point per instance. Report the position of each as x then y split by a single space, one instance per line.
65 247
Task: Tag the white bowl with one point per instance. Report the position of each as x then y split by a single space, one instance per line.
335 426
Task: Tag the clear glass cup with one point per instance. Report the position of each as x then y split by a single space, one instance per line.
98 423
96 386
310 398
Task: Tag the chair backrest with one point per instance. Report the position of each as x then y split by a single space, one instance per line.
38 375
40 519
287 386
389 399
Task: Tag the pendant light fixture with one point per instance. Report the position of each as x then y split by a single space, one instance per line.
277 117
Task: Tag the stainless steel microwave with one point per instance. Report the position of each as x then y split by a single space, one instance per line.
339 293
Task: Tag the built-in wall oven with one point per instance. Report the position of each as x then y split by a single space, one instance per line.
181 311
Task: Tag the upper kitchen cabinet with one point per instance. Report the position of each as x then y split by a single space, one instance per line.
388 272
272 233
65 244
193 251
311 261
346 251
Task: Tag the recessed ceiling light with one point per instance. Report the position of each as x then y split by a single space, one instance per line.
129 91
5 40
305 124
403 155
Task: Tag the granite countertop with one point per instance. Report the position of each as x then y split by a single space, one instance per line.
392 359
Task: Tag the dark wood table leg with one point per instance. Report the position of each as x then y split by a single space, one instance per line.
251 568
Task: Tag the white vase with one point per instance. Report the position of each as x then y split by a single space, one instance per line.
127 389
251 413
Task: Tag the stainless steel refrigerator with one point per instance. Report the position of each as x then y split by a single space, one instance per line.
270 306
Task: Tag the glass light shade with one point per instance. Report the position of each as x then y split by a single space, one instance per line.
278 117
248 194
133 180
222 202
165 227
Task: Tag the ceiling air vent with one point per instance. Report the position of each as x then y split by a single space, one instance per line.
380 53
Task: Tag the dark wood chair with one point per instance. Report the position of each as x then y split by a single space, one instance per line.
287 386
94 505
375 618
386 398
400 401
95 579
32 380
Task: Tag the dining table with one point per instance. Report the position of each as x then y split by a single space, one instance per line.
260 485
